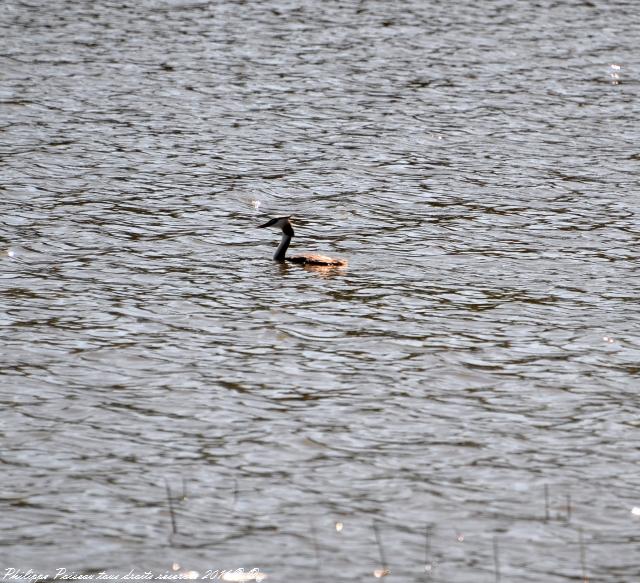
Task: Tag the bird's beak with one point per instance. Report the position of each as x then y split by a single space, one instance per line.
262 226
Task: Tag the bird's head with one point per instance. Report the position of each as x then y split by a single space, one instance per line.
282 223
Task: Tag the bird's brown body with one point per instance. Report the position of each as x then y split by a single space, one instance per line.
313 259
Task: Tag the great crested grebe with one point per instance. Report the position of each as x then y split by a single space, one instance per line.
306 259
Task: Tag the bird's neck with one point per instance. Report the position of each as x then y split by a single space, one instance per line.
282 248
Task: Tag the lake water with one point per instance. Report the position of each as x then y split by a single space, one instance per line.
460 404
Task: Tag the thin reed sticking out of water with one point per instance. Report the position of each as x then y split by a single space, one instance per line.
428 562
235 491
496 559
583 556
172 511
383 561
184 488
316 548
546 502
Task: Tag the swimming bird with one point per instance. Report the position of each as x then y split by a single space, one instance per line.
306 259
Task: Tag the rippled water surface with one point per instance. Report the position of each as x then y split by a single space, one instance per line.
463 399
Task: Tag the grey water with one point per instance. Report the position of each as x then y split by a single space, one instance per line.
469 384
